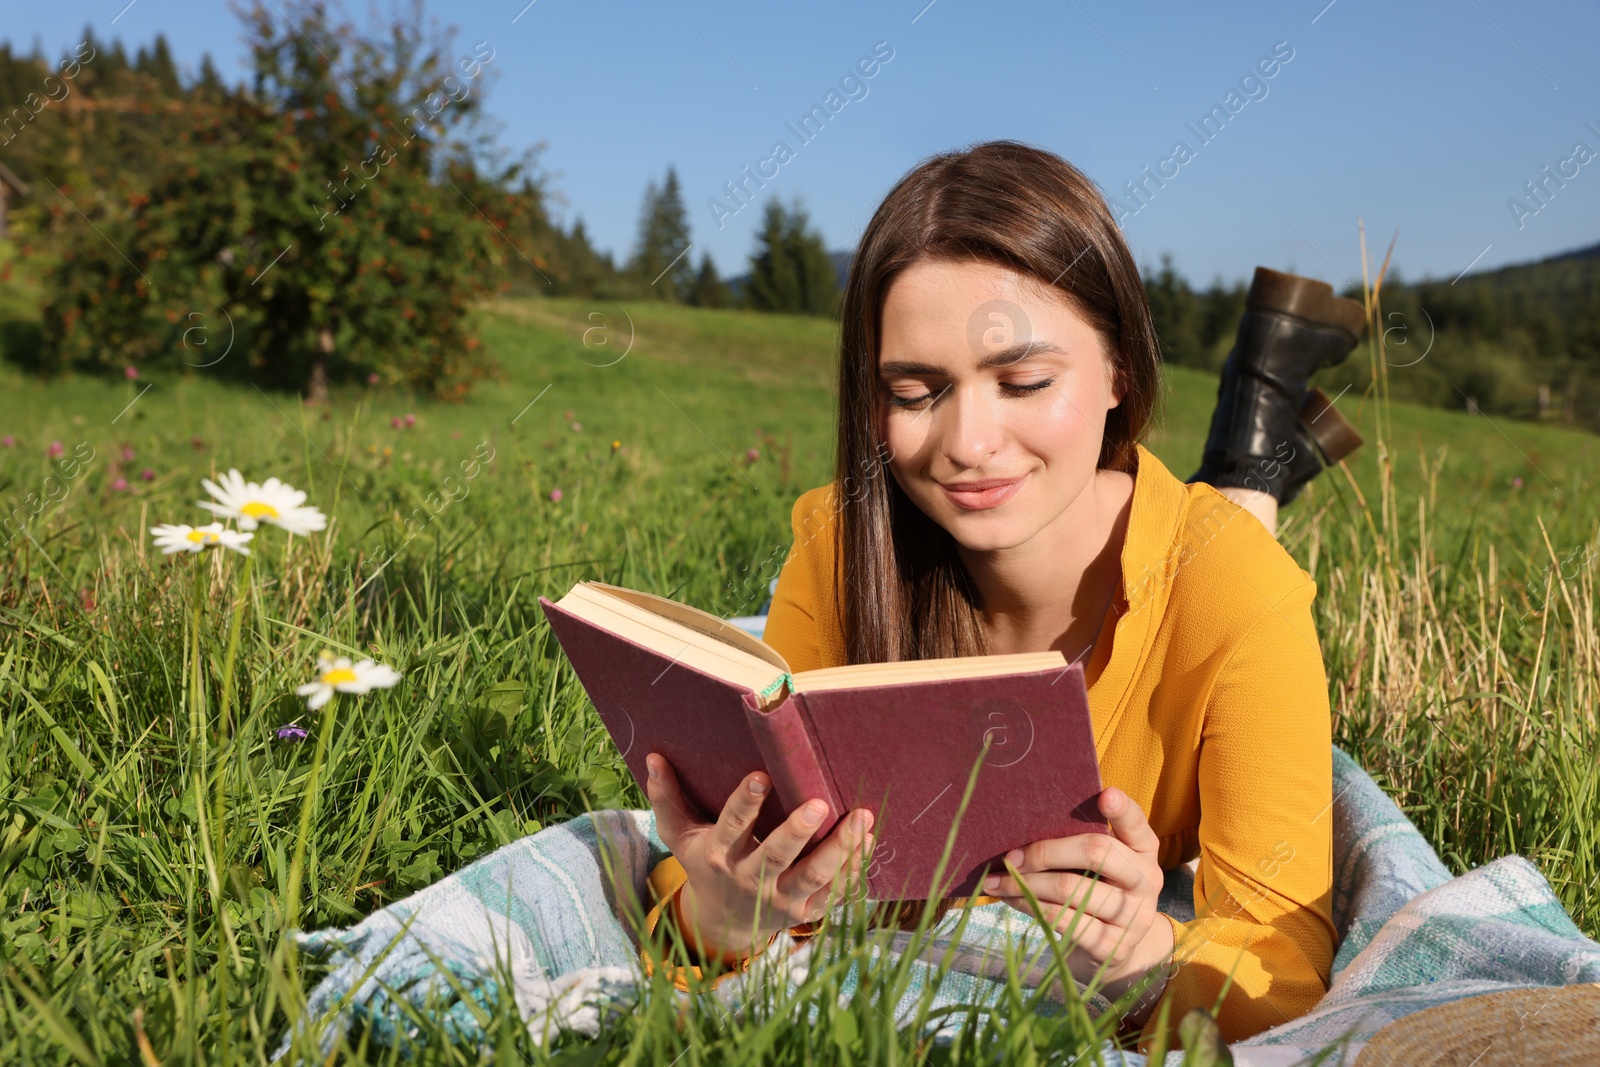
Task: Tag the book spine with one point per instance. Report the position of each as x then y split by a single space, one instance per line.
792 760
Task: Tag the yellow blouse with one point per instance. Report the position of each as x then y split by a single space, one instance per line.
1210 708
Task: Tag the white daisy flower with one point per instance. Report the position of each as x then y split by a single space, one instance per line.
338 674
250 504
182 537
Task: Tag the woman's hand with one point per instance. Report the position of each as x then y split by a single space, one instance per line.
1101 889
742 891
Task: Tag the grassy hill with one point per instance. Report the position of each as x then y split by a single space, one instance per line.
152 815
741 374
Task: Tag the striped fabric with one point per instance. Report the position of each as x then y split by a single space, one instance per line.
536 918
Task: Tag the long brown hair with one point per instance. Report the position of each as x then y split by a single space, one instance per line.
903 590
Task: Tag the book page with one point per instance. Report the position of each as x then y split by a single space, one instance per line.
905 672
683 644
692 617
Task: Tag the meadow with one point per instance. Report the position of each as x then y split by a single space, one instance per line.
157 835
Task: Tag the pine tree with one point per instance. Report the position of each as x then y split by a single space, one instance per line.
773 285
1172 309
663 239
116 60
819 281
643 262
791 270
209 81
159 66
709 291
582 271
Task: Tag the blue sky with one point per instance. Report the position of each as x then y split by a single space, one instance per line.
1429 116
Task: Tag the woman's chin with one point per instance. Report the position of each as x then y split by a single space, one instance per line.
988 531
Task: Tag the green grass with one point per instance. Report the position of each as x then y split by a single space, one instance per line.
156 838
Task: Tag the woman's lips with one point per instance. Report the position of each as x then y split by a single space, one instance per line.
982 494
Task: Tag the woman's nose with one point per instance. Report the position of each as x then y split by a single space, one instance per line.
971 429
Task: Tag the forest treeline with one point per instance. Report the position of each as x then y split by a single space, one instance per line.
338 214
335 217
1522 341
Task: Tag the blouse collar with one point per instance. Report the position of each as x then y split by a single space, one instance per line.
1150 553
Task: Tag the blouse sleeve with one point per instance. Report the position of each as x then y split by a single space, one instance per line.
666 881
1263 889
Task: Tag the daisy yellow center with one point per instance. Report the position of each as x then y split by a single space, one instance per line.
201 537
257 510
337 675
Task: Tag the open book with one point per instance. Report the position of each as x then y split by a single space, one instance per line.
900 739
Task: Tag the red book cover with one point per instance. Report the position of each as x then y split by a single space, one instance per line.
906 752
903 751
652 703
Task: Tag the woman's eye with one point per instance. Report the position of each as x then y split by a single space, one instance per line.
1025 389
900 400
1009 388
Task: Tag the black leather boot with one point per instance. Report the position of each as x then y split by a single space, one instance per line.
1269 430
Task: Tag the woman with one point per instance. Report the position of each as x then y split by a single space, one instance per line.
998 366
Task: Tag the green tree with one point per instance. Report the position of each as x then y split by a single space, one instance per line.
330 222
586 271
1176 318
157 65
790 270
663 240
709 291
1220 309
209 82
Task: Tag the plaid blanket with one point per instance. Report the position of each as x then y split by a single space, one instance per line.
539 916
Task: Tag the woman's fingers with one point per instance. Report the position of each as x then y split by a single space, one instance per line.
842 850
675 817
1100 854
1086 931
851 887
732 832
778 851
1128 821
1092 897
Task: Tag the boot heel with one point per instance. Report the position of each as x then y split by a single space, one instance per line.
1334 435
1306 298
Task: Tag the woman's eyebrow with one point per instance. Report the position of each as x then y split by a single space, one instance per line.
1004 358
911 367
1020 351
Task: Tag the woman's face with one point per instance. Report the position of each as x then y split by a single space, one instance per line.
994 394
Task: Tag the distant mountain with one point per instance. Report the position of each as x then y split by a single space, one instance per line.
1499 273
1592 252
1522 340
